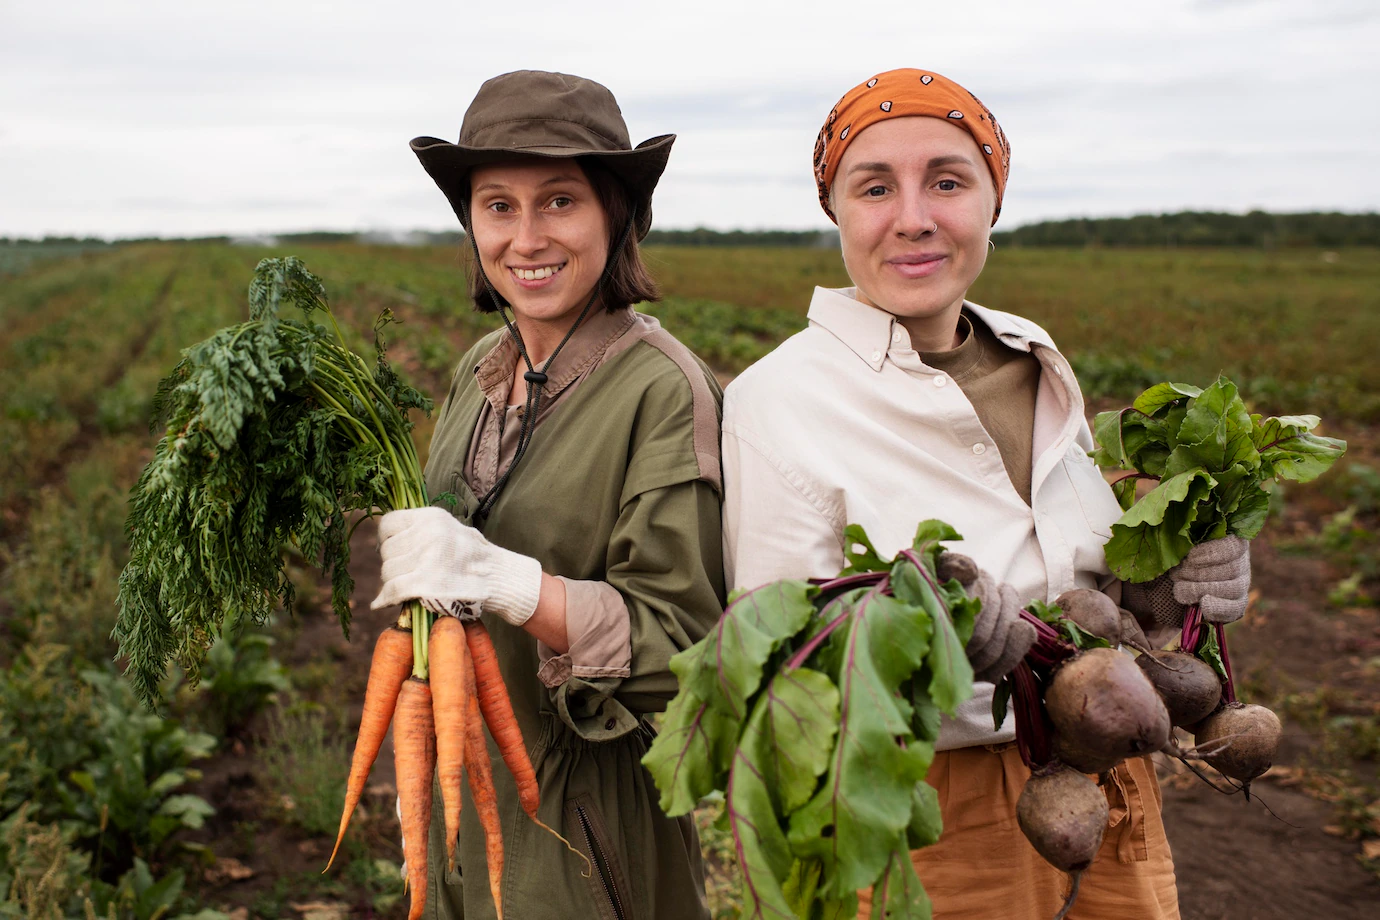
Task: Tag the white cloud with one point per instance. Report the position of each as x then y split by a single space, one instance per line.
164 117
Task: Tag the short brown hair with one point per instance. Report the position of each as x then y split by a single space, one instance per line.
628 281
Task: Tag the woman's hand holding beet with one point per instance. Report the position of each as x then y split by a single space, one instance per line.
1000 636
1216 576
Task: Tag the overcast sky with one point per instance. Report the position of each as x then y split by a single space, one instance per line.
179 117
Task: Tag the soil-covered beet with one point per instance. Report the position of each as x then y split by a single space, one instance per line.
1104 709
1190 688
1093 611
1248 736
1064 815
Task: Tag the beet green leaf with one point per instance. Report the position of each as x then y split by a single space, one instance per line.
856 820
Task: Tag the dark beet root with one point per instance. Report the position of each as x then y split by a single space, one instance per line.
1190 688
1063 814
1103 710
1093 611
1240 740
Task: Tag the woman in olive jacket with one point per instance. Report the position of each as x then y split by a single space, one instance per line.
581 443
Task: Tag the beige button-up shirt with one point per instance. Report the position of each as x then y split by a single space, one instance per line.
845 424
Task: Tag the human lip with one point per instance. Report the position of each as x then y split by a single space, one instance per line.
535 276
918 265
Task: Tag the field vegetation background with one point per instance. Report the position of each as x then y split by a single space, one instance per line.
224 805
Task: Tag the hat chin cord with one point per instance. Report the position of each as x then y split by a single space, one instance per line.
536 379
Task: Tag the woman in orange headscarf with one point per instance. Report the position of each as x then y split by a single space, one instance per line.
937 407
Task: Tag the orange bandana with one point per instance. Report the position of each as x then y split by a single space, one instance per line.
898 93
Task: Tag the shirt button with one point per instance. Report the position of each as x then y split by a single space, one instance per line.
940 380
896 336
608 726
876 356
1058 370
979 449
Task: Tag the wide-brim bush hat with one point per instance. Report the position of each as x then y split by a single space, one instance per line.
532 113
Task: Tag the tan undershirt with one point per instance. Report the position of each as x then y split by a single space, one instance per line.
1001 383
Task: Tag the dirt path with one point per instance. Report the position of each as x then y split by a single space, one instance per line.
1235 861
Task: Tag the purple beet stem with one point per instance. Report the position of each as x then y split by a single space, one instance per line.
1229 689
808 648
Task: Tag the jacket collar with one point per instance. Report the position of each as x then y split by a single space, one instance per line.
867 330
494 372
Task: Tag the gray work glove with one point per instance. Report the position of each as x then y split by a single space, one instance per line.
1215 575
1000 636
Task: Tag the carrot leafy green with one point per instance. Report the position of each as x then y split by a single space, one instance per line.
275 431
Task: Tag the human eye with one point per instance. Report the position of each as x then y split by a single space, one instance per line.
561 201
947 185
499 207
874 191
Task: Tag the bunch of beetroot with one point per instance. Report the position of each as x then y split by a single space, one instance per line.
1082 704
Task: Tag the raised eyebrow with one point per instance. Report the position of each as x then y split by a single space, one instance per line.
870 167
951 160
498 186
556 180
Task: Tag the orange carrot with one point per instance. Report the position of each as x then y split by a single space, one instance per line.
479 772
414 754
391 665
447 661
498 715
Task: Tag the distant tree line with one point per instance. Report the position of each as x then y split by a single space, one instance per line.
1256 229
703 236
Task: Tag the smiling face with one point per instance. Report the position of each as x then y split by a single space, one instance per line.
914 202
542 235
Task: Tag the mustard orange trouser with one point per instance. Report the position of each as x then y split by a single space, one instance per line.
983 868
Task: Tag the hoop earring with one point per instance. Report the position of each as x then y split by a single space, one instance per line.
991 245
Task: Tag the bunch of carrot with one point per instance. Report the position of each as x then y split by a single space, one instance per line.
439 684
276 432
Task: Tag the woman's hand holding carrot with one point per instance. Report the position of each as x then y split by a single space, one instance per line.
429 555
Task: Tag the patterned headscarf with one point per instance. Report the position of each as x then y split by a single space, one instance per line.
898 93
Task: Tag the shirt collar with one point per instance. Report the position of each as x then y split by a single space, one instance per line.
494 372
866 329
863 328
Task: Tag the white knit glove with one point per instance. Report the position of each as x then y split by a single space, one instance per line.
430 556
1001 637
1215 575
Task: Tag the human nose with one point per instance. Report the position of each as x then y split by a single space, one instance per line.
529 238
913 219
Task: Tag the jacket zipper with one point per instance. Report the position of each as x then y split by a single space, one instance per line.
601 864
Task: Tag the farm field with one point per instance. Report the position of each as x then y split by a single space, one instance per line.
227 808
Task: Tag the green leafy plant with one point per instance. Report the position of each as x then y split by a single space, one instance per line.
275 432
126 801
240 676
1210 457
815 708
140 895
50 725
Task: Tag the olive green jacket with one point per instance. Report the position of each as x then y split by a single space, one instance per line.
618 485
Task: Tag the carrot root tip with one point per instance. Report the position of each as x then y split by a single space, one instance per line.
589 867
